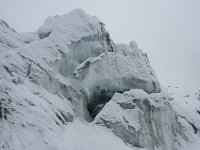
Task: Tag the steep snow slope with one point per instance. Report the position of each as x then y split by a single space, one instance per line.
186 105
57 87
9 39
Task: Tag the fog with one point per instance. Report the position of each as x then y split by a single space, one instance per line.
167 30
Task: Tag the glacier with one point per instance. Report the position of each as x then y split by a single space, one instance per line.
69 86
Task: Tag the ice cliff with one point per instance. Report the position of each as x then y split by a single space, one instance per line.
69 86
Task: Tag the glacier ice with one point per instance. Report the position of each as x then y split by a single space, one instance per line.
124 69
140 119
70 79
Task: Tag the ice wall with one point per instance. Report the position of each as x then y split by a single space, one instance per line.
69 70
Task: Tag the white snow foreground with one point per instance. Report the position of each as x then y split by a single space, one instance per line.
69 87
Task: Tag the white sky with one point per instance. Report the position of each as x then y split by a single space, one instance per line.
168 30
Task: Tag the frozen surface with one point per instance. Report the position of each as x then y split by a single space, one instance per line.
58 90
155 121
36 100
85 136
186 105
140 119
112 72
118 72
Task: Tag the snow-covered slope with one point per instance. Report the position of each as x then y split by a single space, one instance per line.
68 86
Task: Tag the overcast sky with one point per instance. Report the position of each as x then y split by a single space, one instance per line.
167 30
